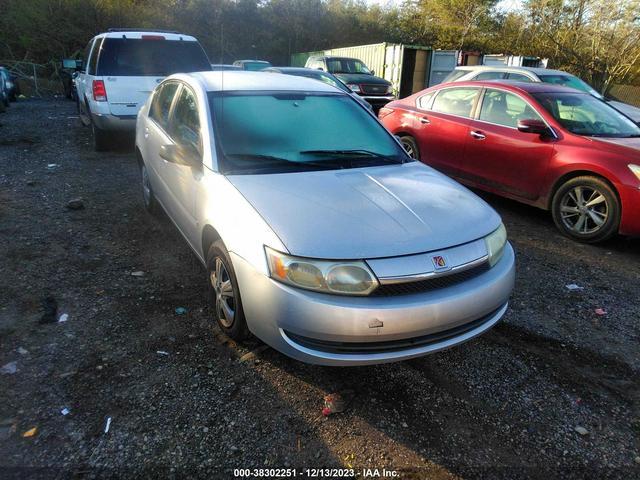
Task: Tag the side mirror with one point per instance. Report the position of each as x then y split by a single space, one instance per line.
373 72
179 155
533 126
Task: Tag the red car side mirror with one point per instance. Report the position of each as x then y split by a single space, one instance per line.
533 126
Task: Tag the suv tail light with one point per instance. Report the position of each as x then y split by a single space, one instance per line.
99 91
384 111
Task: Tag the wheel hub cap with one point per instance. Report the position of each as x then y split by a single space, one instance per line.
584 209
224 293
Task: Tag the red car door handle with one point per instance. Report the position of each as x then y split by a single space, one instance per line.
425 120
477 135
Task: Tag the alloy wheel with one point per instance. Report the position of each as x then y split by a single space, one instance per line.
409 149
224 293
584 209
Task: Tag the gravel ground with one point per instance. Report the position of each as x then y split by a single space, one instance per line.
504 405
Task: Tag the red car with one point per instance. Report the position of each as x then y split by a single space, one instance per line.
549 146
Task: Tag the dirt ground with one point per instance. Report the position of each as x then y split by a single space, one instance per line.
551 392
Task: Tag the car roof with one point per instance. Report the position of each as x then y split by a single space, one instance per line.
256 61
138 34
297 70
528 87
507 68
256 81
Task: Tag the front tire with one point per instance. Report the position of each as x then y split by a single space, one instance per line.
225 294
411 146
586 209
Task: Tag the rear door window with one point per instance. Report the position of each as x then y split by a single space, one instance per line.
150 57
490 76
455 101
85 56
161 105
519 77
93 61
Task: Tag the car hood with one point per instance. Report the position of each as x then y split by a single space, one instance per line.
367 212
629 110
633 142
361 78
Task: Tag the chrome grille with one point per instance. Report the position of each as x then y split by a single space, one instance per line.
435 283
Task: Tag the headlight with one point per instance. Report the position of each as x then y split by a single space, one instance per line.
495 244
344 278
354 87
635 169
390 89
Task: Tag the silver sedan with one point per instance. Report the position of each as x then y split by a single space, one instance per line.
319 234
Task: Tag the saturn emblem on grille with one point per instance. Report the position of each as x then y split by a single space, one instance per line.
439 262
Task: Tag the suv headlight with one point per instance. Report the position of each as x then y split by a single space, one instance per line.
390 89
343 278
495 244
354 87
635 169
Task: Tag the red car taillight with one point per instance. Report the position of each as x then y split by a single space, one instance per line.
99 91
384 111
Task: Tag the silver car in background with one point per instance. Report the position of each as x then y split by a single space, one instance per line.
319 234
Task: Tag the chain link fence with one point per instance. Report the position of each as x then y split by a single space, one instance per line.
626 93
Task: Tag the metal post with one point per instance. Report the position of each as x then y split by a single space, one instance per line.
35 78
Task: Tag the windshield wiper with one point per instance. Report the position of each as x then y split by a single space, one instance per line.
353 153
269 162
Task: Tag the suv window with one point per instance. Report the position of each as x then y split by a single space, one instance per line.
146 57
85 56
504 108
93 61
185 122
519 77
455 101
490 76
161 104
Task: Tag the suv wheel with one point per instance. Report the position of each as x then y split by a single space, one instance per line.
224 293
101 139
411 146
586 209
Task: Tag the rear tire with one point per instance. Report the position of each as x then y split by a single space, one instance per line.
224 293
101 139
411 146
586 209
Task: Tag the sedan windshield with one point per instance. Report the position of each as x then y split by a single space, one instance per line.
585 115
347 65
570 81
276 132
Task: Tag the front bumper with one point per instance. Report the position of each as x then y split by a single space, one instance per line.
630 200
339 330
378 101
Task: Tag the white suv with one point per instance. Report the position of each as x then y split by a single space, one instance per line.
121 68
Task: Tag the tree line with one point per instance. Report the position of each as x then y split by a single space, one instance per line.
599 40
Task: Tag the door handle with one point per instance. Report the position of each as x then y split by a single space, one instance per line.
425 120
477 135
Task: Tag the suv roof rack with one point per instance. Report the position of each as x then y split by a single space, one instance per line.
141 30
